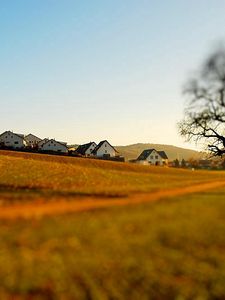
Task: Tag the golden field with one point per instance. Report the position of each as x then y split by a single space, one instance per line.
168 245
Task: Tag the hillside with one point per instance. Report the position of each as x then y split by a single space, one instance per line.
63 217
173 152
30 176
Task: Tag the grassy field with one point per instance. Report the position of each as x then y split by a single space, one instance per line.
173 248
28 177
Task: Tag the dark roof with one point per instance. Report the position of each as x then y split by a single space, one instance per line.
144 154
83 148
100 144
147 152
163 154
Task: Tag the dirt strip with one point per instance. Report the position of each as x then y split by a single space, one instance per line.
62 206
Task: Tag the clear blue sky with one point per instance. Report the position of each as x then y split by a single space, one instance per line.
81 70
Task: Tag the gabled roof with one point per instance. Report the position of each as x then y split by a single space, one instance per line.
163 154
3 133
61 143
144 154
100 144
17 134
30 134
83 148
44 140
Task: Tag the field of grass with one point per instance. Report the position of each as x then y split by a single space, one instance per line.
28 177
170 249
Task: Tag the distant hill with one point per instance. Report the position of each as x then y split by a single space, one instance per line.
173 152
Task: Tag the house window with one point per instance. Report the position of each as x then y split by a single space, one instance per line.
156 157
16 143
105 145
151 157
105 151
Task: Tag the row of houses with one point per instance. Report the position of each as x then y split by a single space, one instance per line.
104 149
11 140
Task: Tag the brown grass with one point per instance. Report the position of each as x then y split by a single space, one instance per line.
61 206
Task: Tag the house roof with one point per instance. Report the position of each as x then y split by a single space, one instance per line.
144 154
3 133
83 148
100 144
61 143
163 154
43 141
17 134
30 134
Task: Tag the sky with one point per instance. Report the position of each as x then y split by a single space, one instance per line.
84 70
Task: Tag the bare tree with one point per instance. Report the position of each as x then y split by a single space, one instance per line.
204 119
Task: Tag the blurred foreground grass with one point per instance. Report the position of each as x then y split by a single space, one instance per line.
171 249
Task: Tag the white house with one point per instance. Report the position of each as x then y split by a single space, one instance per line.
153 157
86 149
104 149
53 145
32 140
12 140
42 142
164 157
